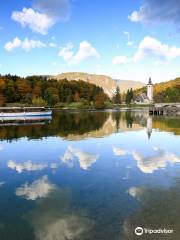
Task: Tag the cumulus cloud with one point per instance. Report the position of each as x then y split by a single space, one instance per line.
148 164
38 22
86 51
66 227
37 189
150 48
85 159
53 218
158 161
26 44
42 15
157 11
26 166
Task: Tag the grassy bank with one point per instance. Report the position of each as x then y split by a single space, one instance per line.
81 105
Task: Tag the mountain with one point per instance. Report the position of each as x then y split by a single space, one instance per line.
107 83
127 84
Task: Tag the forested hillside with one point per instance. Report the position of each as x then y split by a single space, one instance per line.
37 90
165 91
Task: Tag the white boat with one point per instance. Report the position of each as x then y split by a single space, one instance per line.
13 112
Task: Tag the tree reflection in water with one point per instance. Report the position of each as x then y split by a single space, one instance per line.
65 123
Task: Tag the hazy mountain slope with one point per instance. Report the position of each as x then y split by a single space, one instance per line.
127 84
107 83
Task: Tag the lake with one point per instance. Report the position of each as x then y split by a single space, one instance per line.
90 176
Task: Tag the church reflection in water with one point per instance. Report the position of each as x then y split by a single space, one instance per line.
89 175
81 125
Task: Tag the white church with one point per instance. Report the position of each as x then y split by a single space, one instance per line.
143 98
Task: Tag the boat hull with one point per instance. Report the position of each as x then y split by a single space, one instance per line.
25 114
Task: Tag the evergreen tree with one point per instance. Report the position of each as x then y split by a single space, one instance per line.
117 96
128 100
131 95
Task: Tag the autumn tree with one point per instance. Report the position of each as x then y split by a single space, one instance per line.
100 101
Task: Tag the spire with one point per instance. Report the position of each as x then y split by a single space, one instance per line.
150 81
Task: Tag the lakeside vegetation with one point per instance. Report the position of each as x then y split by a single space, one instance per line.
64 94
165 91
39 91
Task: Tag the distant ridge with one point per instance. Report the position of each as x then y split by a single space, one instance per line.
107 83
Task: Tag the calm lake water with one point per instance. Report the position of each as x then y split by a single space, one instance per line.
90 176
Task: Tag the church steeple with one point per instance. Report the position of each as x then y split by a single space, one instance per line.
150 81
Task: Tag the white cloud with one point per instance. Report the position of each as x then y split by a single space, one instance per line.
86 51
53 45
152 163
26 166
42 15
54 219
26 44
155 162
38 22
119 151
129 41
2 183
37 189
54 165
70 226
136 192
120 60
150 48
85 159
66 52
136 16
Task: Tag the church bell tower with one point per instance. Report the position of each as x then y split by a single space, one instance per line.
150 90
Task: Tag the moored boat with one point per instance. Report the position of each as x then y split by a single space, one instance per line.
13 112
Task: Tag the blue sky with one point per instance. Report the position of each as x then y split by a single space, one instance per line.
128 40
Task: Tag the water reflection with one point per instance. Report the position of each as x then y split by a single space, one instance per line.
89 175
26 166
158 159
85 159
81 125
53 218
159 209
40 188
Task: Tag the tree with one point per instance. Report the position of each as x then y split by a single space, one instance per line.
76 97
52 95
129 96
117 96
2 100
100 101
